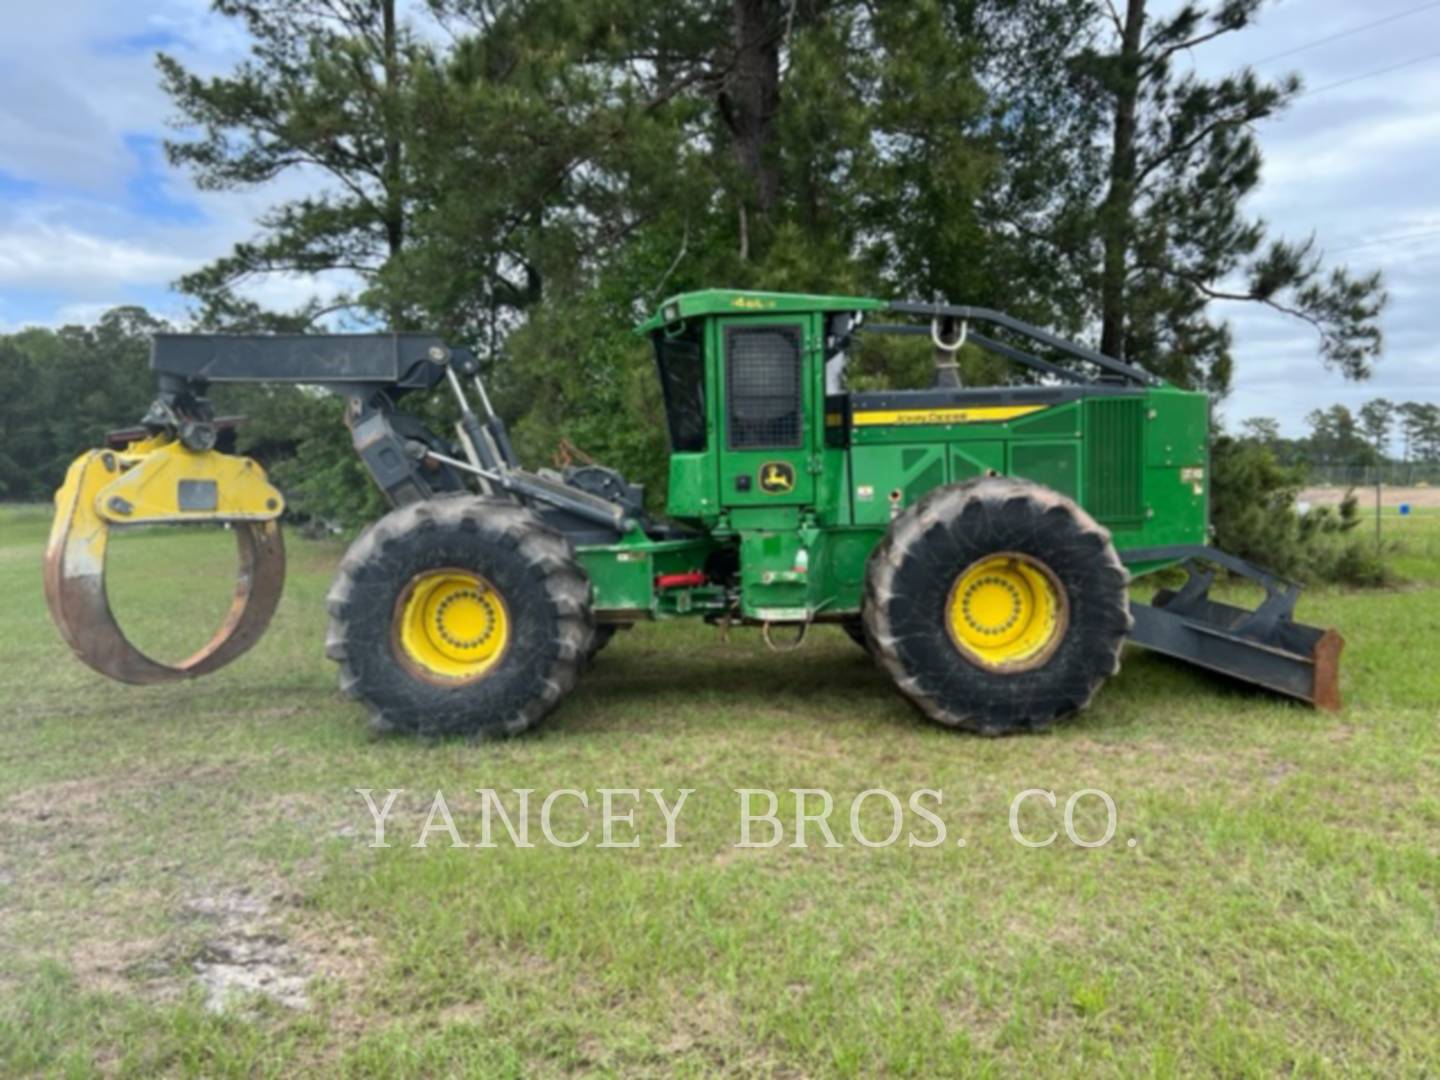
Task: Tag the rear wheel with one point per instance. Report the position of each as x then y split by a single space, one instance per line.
997 605
459 616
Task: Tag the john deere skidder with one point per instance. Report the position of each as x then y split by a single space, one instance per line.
977 541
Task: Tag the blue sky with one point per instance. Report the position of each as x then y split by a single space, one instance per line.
90 215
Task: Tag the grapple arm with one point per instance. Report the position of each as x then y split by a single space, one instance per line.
168 471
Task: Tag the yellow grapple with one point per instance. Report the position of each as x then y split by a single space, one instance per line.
160 481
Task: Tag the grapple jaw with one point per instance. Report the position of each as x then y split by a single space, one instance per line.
160 481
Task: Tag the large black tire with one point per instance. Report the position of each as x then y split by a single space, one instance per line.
927 551
531 567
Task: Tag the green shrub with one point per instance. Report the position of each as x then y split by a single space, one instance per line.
1254 514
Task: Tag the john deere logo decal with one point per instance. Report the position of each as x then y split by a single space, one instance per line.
777 477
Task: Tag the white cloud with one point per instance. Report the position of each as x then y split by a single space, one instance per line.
1334 161
283 292
77 80
86 313
70 89
1354 166
48 133
47 256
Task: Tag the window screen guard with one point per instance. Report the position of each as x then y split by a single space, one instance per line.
763 389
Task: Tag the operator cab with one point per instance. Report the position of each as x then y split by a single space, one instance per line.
742 376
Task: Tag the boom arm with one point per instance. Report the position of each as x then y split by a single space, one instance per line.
370 370
407 461
397 361
168 471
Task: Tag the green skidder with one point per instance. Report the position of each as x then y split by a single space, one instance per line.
978 541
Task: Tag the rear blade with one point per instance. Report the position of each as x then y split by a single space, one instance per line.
1265 646
1310 672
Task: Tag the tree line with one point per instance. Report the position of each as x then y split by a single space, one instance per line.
1380 432
62 390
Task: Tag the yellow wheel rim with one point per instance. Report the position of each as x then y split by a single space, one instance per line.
1007 612
451 624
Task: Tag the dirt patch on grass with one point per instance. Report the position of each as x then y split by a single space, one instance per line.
342 957
231 943
709 1022
62 804
241 947
239 944
242 963
1419 497
115 965
246 954
86 800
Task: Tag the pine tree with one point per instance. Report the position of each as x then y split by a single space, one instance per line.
1422 428
324 95
1154 222
1377 419
1262 429
1412 429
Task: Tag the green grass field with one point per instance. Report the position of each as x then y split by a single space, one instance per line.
1277 912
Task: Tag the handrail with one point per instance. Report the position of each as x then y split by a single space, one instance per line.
1034 333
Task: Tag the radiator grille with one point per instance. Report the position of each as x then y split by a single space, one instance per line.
1113 454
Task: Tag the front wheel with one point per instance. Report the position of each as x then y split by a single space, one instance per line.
997 605
459 615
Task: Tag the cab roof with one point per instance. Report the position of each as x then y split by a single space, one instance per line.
747 302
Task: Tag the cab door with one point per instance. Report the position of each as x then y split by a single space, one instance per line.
766 402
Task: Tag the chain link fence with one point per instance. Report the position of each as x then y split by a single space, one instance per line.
1391 474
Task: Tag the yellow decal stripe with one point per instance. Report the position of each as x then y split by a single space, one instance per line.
978 414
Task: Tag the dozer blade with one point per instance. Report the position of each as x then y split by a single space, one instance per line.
160 482
1265 646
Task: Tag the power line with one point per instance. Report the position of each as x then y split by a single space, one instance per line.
1400 239
1368 75
1345 33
